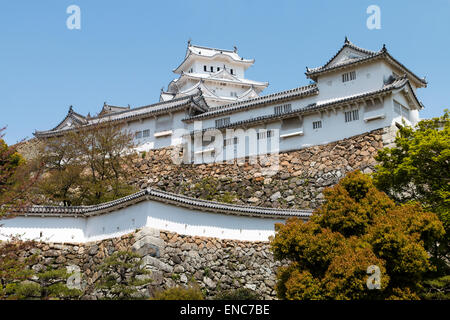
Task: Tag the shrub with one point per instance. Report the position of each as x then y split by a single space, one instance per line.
358 226
179 293
237 294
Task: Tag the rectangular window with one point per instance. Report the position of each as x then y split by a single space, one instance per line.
146 133
163 123
283 109
204 68
351 115
265 134
222 122
218 68
291 123
231 71
212 69
317 124
138 135
230 141
348 116
401 110
349 76
206 142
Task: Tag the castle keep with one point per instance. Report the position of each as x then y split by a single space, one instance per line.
217 114
318 133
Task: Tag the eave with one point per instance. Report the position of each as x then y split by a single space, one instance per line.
195 101
315 73
164 197
191 55
333 105
258 102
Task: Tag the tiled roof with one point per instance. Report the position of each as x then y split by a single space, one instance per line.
108 109
320 105
166 197
255 102
193 50
214 76
370 55
347 44
136 113
76 117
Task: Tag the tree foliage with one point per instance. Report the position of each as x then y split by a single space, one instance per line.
19 281
123 276
87 166
179 293
418 167
237 294
357 226
16 177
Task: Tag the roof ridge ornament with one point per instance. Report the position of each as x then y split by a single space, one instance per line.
384 48
346 41
235 49
189 42
71 109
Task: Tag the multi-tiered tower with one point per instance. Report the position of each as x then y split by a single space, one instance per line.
220 74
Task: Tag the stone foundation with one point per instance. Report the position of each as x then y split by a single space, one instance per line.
213 264
299 183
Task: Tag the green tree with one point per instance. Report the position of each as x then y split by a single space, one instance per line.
16 178
14 270
87 166
50 284
122 275
357 226
19 281
418 169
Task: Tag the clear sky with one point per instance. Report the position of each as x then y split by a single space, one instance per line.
125 50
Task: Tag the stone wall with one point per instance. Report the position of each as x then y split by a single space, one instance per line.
212 263
299 182
173 259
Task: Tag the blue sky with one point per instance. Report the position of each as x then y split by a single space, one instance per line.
126 50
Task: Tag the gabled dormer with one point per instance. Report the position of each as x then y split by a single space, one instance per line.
71 120
354 70
108 109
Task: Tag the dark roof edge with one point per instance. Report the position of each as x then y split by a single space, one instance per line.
161 196
188 98
381 54
312 107
251 103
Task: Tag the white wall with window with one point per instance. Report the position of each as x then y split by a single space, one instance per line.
156 131
401 111
366 78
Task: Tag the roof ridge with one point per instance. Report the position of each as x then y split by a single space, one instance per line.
270 95
347 43
319 104
160 194
211 48
234 104
151 105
